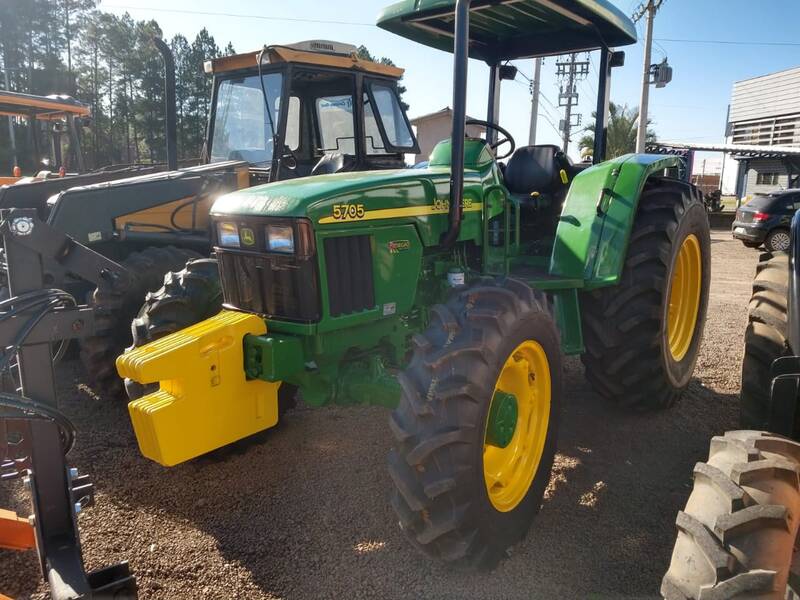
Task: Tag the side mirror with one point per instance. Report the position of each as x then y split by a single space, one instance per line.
617 59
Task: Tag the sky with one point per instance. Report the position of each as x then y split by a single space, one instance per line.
692 108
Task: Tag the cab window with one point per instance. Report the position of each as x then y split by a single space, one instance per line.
388 109
372 133
292 138
243 128
336 125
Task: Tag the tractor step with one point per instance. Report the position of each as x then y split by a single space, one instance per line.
205 400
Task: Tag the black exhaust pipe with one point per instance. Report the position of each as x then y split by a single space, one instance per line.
169 103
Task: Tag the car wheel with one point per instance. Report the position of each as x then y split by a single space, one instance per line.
777 240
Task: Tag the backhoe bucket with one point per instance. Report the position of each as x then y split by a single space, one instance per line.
205 400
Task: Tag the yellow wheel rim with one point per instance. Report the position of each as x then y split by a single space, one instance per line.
508 472
684 297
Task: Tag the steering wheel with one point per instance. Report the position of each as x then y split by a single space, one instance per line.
508 139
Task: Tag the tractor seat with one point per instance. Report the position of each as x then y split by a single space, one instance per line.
534 171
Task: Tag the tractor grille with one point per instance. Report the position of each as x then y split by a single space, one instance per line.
284 287
349 268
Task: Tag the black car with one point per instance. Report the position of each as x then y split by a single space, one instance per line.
765 220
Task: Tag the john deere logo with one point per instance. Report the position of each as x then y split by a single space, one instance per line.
248 237
399 246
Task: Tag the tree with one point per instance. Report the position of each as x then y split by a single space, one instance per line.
364 54
621 136
110 63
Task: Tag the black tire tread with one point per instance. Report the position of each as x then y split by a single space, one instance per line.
622 324
187 297
115 306
766 336
439 413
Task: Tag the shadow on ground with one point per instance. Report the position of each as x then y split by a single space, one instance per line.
303 512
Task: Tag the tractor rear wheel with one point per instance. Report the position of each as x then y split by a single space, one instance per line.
766 336
114 309
475 430
737 533
642 336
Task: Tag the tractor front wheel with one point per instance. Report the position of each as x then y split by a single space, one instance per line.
187 297
643 335
114 309
475 431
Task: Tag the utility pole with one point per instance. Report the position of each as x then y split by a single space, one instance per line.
647 10
570 73
537 74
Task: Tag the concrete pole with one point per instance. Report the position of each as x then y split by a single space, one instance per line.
641 134
537 74
568 110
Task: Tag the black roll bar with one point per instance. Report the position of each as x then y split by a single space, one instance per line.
460 60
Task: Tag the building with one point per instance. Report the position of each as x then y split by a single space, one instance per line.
764 111
435 127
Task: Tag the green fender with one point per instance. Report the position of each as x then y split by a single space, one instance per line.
595 225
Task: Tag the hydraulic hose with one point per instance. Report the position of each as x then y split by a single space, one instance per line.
37 304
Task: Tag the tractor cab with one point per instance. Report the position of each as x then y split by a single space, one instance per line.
306 109
55 115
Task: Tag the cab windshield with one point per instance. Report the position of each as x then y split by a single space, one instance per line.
243 127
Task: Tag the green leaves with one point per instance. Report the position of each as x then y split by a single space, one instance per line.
622 124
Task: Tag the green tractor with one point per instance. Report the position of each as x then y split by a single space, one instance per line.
448 293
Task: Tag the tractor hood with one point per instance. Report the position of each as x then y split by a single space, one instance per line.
374 198
374 194
313 197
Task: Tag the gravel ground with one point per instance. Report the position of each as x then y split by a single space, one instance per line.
303 513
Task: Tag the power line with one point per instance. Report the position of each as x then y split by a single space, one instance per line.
365 24
546 115
238 15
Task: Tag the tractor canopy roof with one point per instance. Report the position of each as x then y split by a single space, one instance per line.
46 108
320 53
508 29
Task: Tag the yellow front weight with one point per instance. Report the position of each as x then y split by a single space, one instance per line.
205 400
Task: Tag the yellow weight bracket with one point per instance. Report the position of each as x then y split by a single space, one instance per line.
205 400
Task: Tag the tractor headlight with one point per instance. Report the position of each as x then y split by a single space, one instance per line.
228 235
280 238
